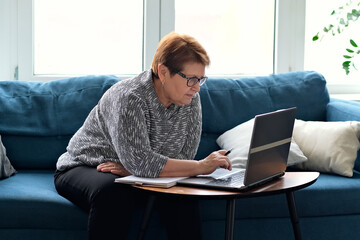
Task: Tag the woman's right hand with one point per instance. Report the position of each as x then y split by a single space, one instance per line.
114 168
213 161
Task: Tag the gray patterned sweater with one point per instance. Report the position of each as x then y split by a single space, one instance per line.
129 125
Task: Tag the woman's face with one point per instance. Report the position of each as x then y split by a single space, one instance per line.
176 90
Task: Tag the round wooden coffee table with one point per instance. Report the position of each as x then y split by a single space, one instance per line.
287 184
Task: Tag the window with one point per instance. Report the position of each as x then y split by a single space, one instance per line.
87 37
237 34
326 54
52 39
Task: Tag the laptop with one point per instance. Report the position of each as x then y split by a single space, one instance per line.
267 157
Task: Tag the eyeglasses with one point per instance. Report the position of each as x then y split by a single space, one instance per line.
192 81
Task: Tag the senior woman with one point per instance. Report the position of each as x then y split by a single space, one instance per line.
148 126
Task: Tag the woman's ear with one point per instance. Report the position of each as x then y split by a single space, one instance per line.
162 70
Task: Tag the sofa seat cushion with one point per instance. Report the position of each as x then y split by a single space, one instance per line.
29 200
331 195
316 200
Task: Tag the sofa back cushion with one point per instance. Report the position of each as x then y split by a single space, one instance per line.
38 118
227 102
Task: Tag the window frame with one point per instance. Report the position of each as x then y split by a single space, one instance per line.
8 39
16 29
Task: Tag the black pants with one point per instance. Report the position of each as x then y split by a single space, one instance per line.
111 205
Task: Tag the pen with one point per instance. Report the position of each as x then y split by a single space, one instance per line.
228 152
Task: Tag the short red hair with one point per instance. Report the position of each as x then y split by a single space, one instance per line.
175 50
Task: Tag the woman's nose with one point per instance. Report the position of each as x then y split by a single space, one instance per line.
196 87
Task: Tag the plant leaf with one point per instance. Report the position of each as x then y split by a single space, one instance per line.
349 50
355 13
346 66
353 43
348 57
316 37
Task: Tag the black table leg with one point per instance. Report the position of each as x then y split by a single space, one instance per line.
146 217
230 219
293 214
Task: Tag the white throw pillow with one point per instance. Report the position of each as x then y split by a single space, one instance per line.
329 146
6 169
238 139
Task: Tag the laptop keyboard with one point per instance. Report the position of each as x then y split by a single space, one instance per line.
234 180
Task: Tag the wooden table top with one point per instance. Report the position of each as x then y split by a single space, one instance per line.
291 181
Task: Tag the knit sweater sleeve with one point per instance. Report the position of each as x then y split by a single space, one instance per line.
125 121
194 129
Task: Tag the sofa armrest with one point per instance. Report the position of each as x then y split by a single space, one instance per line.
342 110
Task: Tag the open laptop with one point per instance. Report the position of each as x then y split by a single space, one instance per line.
267 157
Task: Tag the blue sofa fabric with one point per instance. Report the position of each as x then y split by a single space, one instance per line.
342 110
227 103
38 119
32 192
42 117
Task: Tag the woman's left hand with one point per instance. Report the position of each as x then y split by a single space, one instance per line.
114 168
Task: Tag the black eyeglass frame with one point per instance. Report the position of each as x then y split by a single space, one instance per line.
192 79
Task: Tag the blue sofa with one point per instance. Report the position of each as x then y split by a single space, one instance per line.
38 119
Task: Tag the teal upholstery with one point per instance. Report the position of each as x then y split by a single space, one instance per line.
38 119
31 194
342 110
227 103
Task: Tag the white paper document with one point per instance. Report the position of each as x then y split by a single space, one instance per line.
222 173
164 182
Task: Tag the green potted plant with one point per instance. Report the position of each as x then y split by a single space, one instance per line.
343 17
